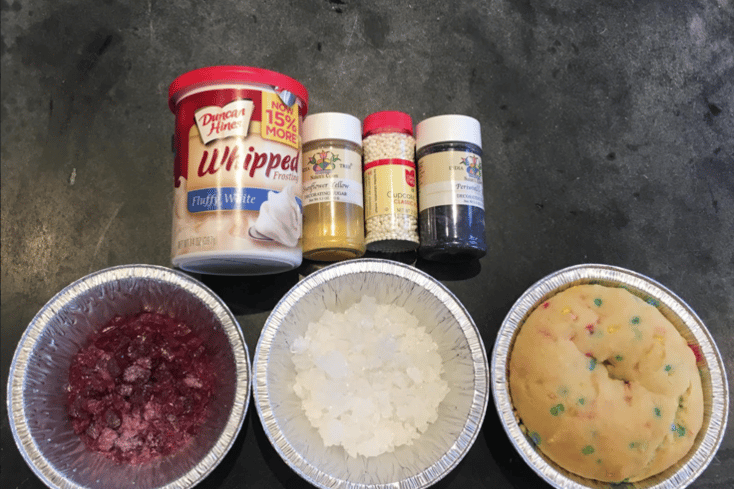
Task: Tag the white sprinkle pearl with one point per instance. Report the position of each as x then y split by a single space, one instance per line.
394 232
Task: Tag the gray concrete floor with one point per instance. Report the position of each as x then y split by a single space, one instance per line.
608 133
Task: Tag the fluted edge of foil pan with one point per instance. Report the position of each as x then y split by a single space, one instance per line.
18 369
683 318
480 401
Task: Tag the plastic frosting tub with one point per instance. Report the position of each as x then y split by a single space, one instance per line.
237 174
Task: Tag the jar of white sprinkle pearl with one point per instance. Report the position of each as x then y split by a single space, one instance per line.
390 191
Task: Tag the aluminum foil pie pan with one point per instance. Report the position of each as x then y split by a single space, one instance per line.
466 370
39 373
680 314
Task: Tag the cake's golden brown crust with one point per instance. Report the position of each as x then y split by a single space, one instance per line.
605 385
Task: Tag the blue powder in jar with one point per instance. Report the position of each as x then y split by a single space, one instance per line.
450 192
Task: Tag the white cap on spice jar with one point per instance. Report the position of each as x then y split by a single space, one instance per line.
332 125
448 128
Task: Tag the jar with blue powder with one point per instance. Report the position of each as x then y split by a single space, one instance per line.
450 188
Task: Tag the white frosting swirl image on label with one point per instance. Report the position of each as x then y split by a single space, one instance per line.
279 218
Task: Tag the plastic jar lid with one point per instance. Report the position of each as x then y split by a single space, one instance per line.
445 128
229 74
387 121
332 125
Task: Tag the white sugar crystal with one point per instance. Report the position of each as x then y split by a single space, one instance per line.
332 432
299 345
415 374
369 379
333 364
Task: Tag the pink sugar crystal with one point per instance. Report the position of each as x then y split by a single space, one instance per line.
141 388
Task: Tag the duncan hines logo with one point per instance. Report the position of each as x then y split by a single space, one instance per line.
222 122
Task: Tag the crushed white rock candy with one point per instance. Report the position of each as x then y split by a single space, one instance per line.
369 379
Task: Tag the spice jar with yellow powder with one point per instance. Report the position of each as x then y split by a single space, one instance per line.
333 206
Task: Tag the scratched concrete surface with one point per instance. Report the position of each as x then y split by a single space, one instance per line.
608 132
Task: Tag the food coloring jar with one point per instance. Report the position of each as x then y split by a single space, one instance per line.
390 191
451 197
237 172
333 204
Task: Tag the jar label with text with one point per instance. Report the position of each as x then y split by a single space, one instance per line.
450 178
390 188
332 175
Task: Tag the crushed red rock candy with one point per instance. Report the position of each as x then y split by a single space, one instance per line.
140 388
369 379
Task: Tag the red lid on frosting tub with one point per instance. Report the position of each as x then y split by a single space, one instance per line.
234 74
387 121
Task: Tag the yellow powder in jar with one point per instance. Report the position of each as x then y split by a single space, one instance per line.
333 231
333 201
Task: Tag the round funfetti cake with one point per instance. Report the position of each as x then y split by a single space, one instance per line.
604 384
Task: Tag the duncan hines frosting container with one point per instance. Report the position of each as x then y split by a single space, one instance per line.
237 172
